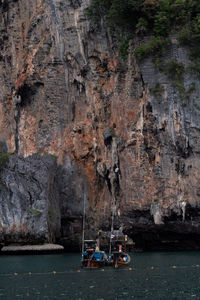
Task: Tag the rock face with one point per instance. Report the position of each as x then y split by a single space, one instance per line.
66 91
29 207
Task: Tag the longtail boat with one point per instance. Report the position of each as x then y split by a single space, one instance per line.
92 257
118 256
119 259
117 249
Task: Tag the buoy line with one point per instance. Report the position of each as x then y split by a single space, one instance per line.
58 273
97 270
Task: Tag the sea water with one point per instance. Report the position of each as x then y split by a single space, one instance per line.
151 276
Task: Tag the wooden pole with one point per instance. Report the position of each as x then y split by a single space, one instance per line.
83 233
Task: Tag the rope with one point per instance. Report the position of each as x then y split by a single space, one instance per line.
108 269
90 259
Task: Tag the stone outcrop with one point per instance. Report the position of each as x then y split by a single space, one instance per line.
29 207
120 148
29 249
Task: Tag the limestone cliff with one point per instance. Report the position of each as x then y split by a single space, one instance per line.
65 91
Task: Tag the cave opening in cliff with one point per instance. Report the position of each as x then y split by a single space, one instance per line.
5 5
176 233
27 92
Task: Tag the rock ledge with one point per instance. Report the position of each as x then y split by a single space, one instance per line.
33 248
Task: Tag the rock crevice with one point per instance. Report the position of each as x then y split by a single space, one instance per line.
116 133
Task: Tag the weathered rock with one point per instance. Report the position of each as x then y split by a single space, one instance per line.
45 248
29 202
66 91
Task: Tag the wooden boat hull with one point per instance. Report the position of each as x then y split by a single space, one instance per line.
119 262
93 260
92 264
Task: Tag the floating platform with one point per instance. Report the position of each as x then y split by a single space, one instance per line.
32 249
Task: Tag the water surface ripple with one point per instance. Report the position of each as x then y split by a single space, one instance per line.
151 276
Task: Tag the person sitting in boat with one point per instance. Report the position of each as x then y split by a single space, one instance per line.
124 258
97 246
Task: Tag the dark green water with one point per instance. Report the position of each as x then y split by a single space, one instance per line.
152 277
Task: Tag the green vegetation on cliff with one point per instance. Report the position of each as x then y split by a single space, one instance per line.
4 158
158 18
153 22
35 212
